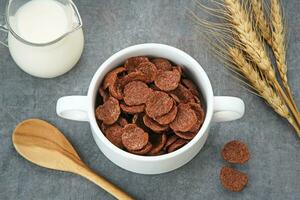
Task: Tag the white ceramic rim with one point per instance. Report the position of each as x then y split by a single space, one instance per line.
200 72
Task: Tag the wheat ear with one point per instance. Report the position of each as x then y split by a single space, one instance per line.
255 48
261 20
252 44
261 86
278 44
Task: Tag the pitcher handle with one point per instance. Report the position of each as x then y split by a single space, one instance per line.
3 28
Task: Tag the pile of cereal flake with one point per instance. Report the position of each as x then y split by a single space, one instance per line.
149 107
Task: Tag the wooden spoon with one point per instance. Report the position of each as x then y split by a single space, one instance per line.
43 144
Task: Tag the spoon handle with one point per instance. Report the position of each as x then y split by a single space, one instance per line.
103 183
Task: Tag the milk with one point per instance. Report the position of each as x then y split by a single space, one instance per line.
43 21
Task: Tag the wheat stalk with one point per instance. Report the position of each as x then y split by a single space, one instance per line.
261 20
261 86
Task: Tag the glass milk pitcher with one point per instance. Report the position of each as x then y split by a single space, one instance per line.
45 37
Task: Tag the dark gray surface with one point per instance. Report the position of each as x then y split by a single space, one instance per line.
274 169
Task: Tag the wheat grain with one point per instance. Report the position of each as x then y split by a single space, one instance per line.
261 20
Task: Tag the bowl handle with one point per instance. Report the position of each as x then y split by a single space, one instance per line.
73 108
228 108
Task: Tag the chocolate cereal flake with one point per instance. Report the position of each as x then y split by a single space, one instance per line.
134 138
108 112
232 179
235 152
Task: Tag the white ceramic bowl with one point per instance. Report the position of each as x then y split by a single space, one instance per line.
82 108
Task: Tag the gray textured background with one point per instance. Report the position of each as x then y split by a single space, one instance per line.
109 26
